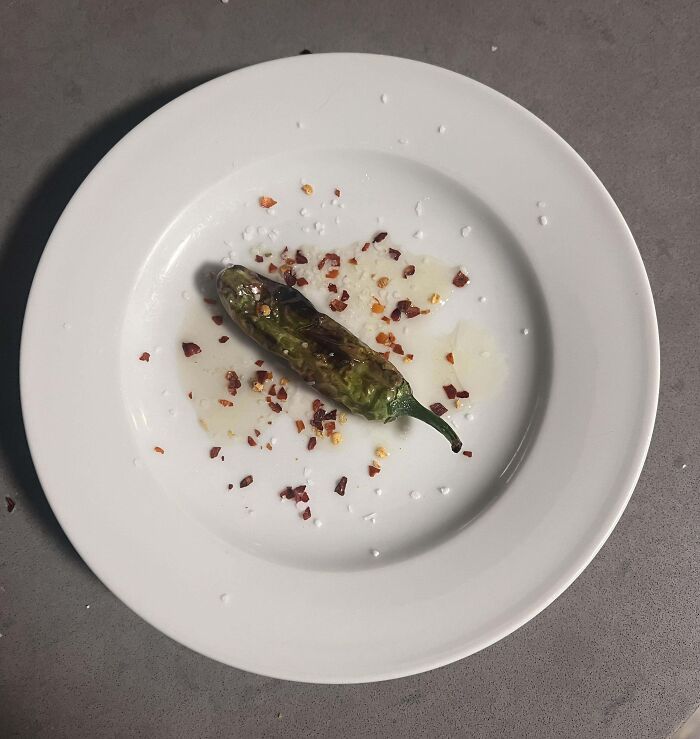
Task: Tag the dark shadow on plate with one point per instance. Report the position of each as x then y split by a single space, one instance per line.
27 236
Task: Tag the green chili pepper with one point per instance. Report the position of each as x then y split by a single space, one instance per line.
326 355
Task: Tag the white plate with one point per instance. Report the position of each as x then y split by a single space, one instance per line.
558 442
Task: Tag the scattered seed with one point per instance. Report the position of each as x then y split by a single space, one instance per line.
336 438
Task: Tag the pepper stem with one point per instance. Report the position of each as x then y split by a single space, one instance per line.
416 410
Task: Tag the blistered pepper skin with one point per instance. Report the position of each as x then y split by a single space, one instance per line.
322 351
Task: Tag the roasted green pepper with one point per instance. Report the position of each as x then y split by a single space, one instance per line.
326 355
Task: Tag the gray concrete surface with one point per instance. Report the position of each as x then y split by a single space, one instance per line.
617 654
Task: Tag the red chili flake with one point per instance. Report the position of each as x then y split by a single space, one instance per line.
258 258
282 394
332 288
272 391
408 271
10 504
450 391
380 237
302 281
190 348
331 415
337 192
290 278
385 355
271 268
284 251
410 357
251 441
267 202
145 357
225 403
246 481
345 296
340 487
300 493
259 362
338 305
287 493
268 446
330 427
450 358
158 450
256 432
316 404
312 443
331 258
394 254
412 311
386 319
223 339
438 409
332 274
233 382
214 452
300 258
467 454
189 395
306 515
317 420
300 426
397 348
460 279
218 320
210 301
385 339
365 247
275 407
463 394
395 314
373 470
262 376
403 305
230 486
352 260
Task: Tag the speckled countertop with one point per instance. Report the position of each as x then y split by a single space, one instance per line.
617 654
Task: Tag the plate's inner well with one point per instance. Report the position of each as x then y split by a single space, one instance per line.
494 327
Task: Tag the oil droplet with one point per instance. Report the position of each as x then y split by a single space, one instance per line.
416 495
204 403
67 326
165 392
444 490
541 204
370 517
318 523
466 231
419 208
300 124
525 331
172 412
378 491
470 416
374 552
304 212
543 220
442 129
494 47
349 509
137 462
185 295
225 598
418 235
403 141
384 98
482 299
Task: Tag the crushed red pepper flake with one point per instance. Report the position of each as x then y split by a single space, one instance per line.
287 493
332 273
337 305
330 257
273 390
275 407
218 320
341 484
267 202
409 271
352 260
450 358
281 394
385 355
259 362
460 279
395 314
225 403
271 268
377 307
306 515
251 441
159 450
463 394
345 296
408 357
316 404
246 481
210 301
438 409
214 452
379 237
329 427
268 446
300 258
397 348
230 486
365 246
10 504
467 453
373 470
394 254
189 395
233 381
412 311
290 278
256 432
190 348
450 391
258 258
262 375
223 339
337 192
145 357
302 281
331 415
300 425
332 288
312 443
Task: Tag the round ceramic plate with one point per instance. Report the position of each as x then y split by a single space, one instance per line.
438 554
